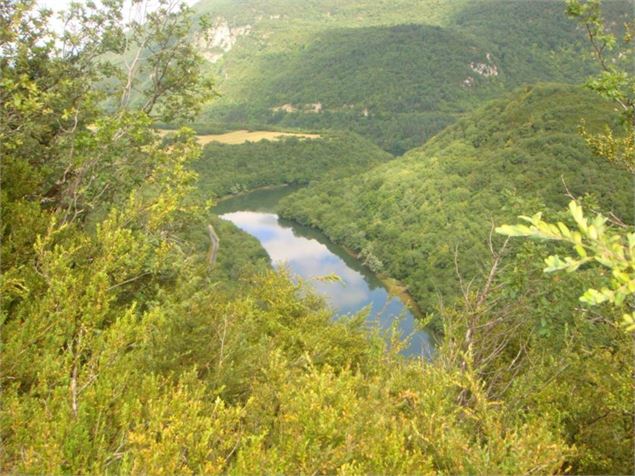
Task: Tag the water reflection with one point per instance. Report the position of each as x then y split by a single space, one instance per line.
309 254
306 258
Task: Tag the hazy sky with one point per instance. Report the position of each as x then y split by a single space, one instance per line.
61 4
58 5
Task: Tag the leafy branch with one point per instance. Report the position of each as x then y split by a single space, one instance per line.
614 82
594 242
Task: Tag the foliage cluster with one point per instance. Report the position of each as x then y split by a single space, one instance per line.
613 52
594 242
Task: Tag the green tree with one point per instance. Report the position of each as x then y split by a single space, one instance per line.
616 80
595 242
92 206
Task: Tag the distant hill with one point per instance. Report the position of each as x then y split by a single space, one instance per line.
407 218
226 169
396 72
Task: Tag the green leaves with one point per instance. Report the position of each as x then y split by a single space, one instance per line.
514 230
629 322
555 263
615 81
593 242
593 297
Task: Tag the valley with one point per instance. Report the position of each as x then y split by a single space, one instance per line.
348 287
396 74
321 237
412 217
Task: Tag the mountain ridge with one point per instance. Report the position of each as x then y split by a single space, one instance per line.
372 74
407 217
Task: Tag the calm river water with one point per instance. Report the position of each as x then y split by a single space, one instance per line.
309 254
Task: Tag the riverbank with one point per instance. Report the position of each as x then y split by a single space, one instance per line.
393 286
307 253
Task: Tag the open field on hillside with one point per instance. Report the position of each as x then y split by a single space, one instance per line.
243 136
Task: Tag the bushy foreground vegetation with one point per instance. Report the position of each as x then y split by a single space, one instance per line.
225 169
123 352
413 217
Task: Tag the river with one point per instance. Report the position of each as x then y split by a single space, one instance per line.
309 255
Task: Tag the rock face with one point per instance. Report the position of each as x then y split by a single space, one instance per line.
485 69
285 108
220 38
315 108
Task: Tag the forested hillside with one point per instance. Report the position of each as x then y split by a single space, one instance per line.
409 217
226 169
396 74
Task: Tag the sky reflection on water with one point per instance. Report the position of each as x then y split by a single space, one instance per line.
309 259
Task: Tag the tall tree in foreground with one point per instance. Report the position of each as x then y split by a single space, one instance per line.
616 81
92 206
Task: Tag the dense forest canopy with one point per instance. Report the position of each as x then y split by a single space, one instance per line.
413 216
228 169
126 349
